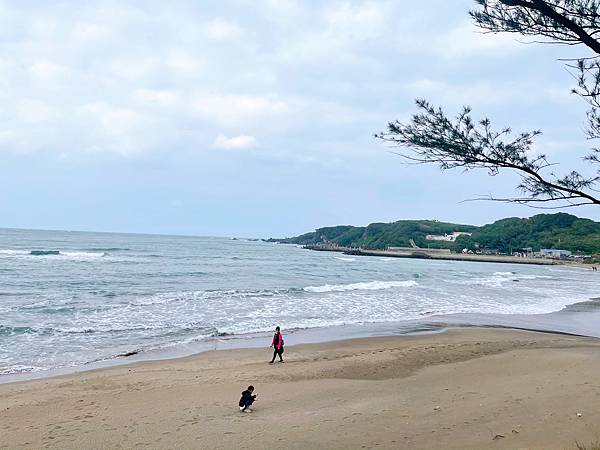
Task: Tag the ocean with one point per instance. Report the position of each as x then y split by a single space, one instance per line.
72 300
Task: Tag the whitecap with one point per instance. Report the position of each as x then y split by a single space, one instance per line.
52 254
366 286
83 255
535 277
9 252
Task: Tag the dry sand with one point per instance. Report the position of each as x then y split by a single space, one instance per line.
464 389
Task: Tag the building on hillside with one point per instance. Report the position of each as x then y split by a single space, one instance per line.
526 252
554 253
446 237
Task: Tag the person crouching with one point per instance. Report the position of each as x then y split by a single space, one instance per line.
247 399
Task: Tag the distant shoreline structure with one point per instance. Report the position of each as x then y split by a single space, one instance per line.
435 254
543 239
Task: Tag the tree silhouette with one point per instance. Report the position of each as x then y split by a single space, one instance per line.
462 142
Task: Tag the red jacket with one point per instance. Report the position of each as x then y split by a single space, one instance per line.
277 341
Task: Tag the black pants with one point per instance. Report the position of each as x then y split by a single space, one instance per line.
277 352
246 403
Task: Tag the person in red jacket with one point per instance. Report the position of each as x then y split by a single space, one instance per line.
277 345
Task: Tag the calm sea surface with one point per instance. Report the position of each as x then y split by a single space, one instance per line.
104 294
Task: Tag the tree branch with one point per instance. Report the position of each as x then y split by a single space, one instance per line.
566 21
463 143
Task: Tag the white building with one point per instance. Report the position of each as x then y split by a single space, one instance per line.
446 237
555 253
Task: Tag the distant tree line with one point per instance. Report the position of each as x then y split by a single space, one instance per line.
559 230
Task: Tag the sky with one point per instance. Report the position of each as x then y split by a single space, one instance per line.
256 118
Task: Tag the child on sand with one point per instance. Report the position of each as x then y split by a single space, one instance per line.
247 399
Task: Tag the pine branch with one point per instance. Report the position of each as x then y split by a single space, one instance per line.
433 138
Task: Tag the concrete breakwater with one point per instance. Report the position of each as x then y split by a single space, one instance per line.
436 254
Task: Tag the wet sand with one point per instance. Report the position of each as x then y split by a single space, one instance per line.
464 389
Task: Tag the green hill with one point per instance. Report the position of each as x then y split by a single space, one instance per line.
559 230
381 235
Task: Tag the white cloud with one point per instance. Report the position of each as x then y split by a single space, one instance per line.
561 94
232 109
113 120
133 69
44 27
466 40
235 143
484 93
164 98
131 77
184 65
360 21
47 71
220 30
88 32
338 32
119 120
33 111
456 94
6 136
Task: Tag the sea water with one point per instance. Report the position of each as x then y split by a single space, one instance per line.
68 299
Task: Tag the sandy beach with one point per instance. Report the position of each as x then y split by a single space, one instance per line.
463 389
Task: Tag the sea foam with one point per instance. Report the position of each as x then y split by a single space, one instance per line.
363 286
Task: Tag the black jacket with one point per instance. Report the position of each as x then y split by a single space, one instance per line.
247 398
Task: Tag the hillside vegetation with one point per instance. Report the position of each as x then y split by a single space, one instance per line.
559 230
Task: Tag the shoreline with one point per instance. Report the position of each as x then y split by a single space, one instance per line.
456 390
578 323
305 336
99 318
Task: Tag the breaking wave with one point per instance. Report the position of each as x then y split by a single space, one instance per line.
498 279
587 306
107 249
56 254
364 286
193 296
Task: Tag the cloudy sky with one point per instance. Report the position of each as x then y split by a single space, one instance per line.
255 118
